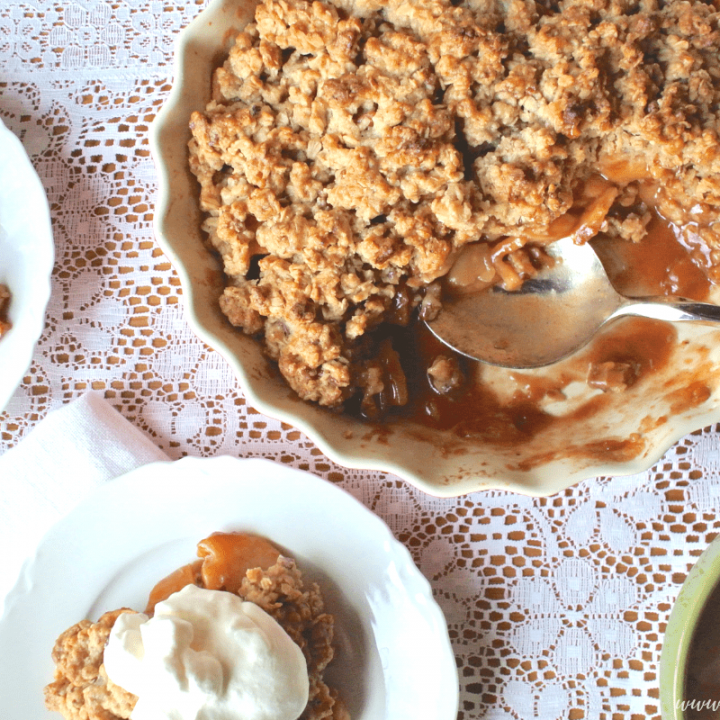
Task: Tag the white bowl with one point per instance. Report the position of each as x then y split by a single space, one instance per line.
27 253
650 417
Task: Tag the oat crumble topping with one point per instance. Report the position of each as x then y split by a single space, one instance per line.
353 147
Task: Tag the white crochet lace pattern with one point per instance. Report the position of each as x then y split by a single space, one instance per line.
556 606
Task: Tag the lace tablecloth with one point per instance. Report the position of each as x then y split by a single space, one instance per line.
556 606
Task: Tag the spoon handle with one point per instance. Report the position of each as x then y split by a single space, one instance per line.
670 309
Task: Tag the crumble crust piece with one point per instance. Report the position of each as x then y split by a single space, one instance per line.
352 147
81 689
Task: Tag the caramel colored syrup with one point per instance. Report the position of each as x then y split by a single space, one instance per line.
627 351
642 346
661 264
671 260
177 580
225 560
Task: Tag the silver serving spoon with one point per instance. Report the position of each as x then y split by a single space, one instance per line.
551 316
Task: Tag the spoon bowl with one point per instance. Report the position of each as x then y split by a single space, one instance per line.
552 315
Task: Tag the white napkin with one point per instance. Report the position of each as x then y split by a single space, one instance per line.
69 453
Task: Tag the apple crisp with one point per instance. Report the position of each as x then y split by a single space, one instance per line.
355 150
4 304
82 690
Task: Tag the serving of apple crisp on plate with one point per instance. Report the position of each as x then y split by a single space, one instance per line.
274 669
278 587
359 162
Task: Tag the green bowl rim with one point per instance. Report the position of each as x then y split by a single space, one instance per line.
699 584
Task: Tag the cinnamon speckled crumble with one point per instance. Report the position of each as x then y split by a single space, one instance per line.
353 148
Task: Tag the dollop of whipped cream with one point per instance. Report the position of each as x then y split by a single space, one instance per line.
207 655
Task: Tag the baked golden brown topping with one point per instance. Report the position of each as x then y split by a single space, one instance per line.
81 688
352 149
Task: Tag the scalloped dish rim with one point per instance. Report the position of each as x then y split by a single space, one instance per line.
199 48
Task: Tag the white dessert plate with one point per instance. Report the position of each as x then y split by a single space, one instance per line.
394 660
27 253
